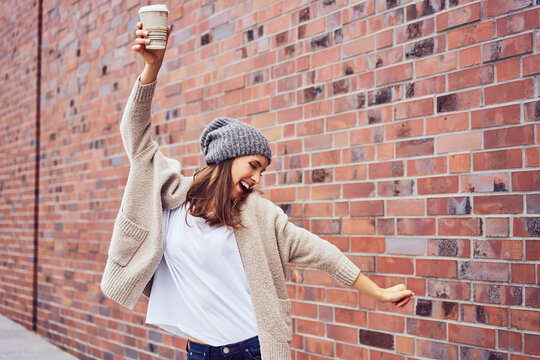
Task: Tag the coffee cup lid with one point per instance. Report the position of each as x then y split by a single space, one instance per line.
159 7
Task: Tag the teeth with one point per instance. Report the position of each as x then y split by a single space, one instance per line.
244 184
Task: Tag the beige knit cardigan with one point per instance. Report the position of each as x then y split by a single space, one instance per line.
267 243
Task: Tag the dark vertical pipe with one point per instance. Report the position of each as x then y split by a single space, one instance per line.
37 159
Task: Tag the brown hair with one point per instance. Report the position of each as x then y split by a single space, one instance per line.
210 196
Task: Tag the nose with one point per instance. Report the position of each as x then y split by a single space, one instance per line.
256 177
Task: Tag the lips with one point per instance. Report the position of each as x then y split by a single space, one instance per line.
244 186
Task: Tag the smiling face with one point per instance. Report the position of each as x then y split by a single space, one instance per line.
246 172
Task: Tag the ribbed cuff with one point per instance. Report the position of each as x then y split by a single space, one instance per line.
118 285
348 273
143 93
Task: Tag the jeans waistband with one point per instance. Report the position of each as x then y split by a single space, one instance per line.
223 349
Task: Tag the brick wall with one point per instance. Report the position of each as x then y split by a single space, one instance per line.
18 99
405 132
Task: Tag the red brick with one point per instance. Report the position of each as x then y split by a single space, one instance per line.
436 64
449 206
360 46
497 294
489 315
459 142
525 319
414 108
436 350
319 346
532 344
498 7
426 328
532 111
447 123
527 226
396 188
348 173
325 192
401 265
427 86
367 208
436 268
515 90
385 169
477 353
459 163
470 77
357 190
464 100
368 135
386 322
532 156
498 249
471 335
512 136
415 30
311 327
350 352
351 316
484 183
526 180
523 273
496 116
342 297
405 207
448 290
405 345
501 49
385 226
470 35
509 340
532 249
501 159
508 69
358 226
532 297
518 22
438 185
394 74
460 16
448 247
404 129
342 121
502 204
478 270
389 19
497 227
470 56
416 226
372 244
414 147
460 226
342 333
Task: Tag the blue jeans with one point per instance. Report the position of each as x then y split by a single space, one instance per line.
245 350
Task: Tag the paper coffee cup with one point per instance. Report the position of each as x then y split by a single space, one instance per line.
154 19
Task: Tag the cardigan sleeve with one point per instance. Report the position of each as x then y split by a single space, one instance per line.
301 246
135 126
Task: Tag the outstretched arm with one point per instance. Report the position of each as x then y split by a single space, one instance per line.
399 295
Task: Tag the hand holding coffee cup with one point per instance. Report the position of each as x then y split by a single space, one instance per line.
152 34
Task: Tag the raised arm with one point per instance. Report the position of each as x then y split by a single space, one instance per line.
135 126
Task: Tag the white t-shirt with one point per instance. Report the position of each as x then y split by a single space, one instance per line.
200 287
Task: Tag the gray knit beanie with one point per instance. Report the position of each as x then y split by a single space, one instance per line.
227 138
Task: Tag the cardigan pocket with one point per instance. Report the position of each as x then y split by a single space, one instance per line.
127 237
285 307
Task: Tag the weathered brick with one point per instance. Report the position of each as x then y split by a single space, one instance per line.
501 49
498 7
502 115
489 315
436 268
460 16
448 290
501 204
471 335
426 328
478 270
510 91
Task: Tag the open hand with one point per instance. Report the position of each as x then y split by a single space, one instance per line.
151 57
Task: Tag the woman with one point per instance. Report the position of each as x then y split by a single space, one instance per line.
209 251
